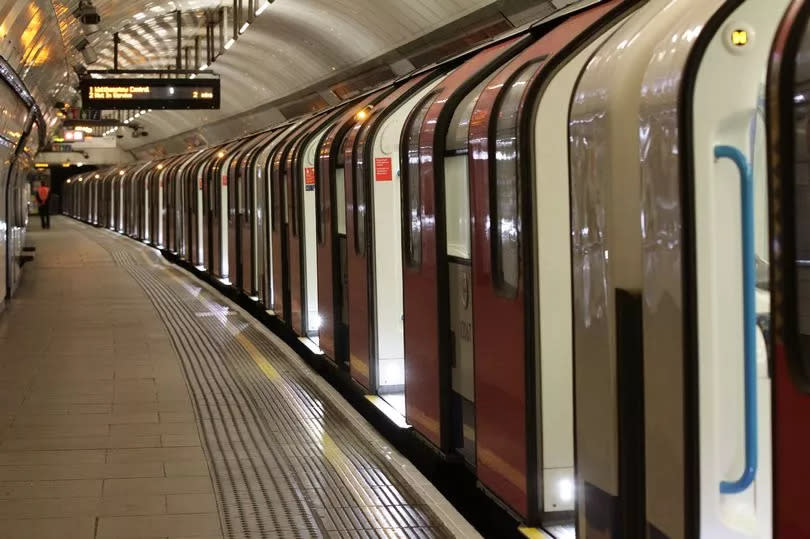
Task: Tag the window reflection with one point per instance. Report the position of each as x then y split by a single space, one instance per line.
506 219
801 192
412 188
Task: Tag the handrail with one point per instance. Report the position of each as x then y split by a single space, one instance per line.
749 319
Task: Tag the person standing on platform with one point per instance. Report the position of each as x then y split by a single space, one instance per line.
43 197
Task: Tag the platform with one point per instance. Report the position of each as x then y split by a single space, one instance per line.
135 401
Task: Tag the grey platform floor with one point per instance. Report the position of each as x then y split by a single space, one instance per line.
135 402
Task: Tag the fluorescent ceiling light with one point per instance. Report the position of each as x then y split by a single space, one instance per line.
193 76
203 67
229 44
244 27
261 9
140 15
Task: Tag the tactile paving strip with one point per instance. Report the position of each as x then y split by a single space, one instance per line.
284 460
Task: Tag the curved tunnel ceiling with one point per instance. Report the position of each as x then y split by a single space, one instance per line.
296 43
293 47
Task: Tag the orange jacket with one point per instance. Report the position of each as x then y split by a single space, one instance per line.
43 192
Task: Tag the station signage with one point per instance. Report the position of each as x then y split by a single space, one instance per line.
131 94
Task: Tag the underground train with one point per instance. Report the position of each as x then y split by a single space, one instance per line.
571 257
22 131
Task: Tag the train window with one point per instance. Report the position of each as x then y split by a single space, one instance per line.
505 197
411 189
360 203
275 192
801 197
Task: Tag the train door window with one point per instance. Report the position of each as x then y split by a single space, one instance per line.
272 175
411 188
241 185
801 220
340 188
456 177
360 205
505 196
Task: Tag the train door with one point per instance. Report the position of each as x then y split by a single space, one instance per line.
519 293
458 268
373 235
266 225
607 279
158 210
119 195
231 181
246 219
220 217
197 207
176 211
731 288
706 302
330 230
427 337
306 282
788 95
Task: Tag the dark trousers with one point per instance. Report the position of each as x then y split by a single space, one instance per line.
45 216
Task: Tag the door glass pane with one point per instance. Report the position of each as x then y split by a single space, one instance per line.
412 189
801 186
359 188
505 201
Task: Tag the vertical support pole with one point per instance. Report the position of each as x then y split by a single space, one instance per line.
251 15
221 30
196 53
209 37
236 17
187 57
179 19
116 40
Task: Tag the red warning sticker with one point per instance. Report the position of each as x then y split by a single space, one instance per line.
309 179
382 167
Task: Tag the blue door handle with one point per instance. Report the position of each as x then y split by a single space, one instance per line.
749 319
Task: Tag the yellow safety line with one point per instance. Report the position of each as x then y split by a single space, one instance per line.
534 533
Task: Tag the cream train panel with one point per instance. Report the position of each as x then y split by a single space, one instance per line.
262 174
387 241
669 468
224 186
310 261
727 93
200 216
605 197
158 239
147 230
553 278
263 247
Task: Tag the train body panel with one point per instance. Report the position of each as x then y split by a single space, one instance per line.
607 268
730 235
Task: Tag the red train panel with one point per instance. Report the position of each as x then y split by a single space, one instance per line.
790 342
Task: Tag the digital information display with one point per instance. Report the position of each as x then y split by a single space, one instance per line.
130 94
